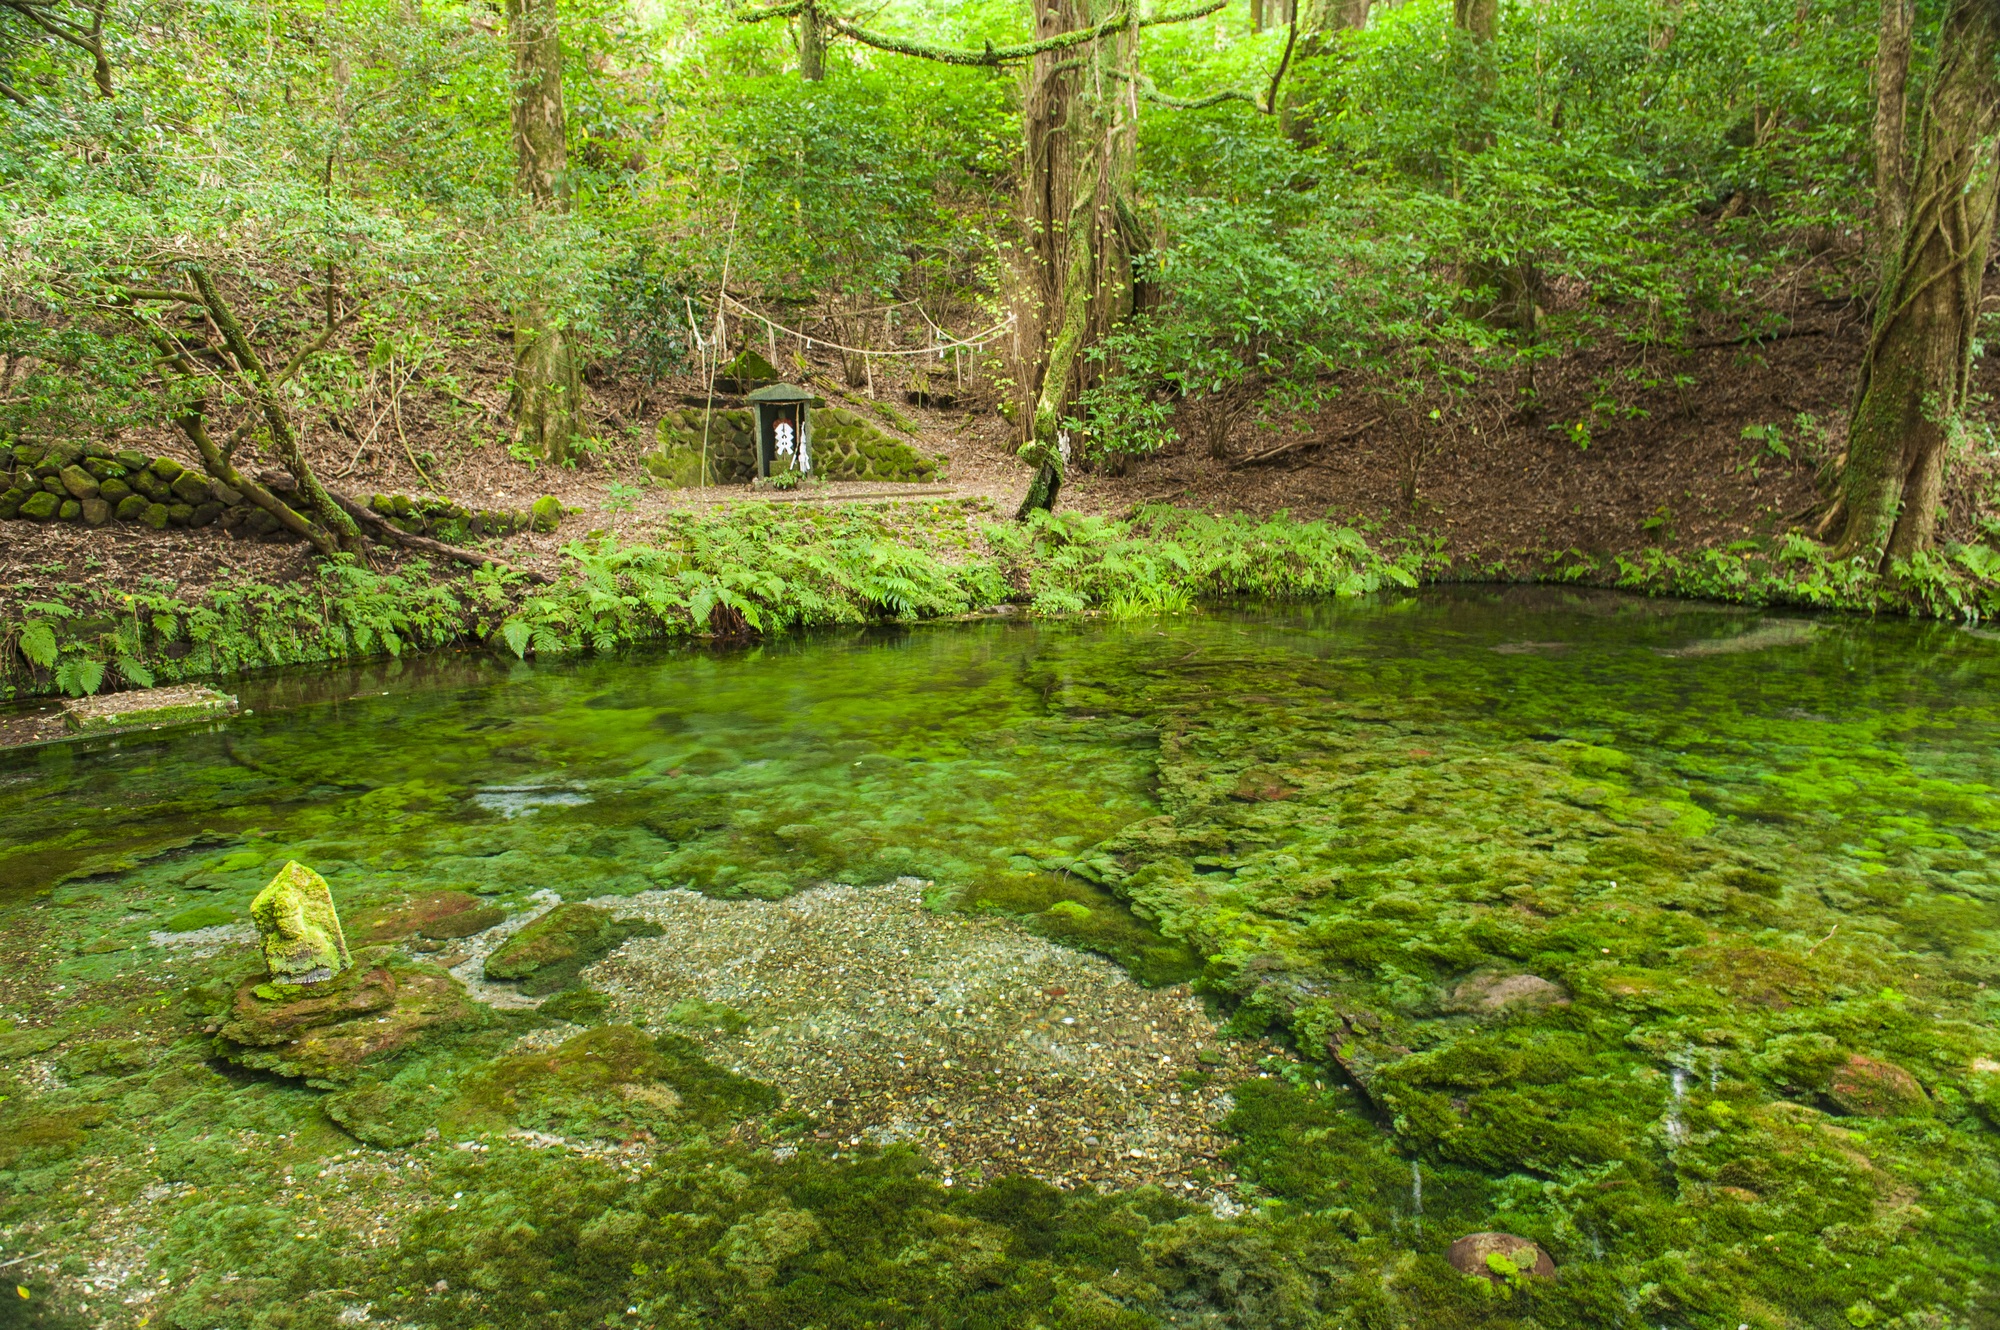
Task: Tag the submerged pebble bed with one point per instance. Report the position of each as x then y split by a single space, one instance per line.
992 1050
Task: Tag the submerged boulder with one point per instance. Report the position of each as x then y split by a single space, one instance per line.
1869 1088
327 1033
1490 992
299 928
547 955
1499 1257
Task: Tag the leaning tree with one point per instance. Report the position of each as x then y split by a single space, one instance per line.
1910 398
1080 114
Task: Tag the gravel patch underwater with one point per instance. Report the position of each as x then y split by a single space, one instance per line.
988 1048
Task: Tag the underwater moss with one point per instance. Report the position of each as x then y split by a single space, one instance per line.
1675 961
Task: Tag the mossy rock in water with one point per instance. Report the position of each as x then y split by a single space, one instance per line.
266 1013
326 1033
300 928
382 1115
201 916
1871 1088
440 915
27 1043
606 1082
107 1057
178 704
578 1006
548 954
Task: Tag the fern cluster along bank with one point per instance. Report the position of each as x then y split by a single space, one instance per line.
749 570
761 569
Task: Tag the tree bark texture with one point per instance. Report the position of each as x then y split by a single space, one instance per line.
540 132
548 385
1892 154
1479 19
1081 129
88 38
812 45
1912 384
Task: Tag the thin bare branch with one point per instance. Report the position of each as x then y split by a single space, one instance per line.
990 55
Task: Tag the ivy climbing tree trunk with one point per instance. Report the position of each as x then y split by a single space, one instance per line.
1080 120
1477 19
1892 164
548 382
1912 384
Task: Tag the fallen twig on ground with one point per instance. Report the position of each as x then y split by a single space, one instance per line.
1297 445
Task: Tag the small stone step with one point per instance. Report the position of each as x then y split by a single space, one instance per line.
147 708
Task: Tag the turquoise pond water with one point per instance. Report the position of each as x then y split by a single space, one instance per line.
1750 860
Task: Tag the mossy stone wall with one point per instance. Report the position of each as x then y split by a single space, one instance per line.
844 447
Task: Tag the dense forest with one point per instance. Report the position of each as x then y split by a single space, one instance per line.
1677 296
1077 665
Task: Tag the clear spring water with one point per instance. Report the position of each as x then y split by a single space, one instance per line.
1794 820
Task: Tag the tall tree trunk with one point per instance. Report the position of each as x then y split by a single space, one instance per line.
1511 280
540 132
1479 19
1081 129
812 44
1892 154
1320 26
1912 384
548 383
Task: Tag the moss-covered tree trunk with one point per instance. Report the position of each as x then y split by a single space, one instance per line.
812 44
548 382
1081 127
1478 19
1911 389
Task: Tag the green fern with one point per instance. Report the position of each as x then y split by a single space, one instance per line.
38 643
